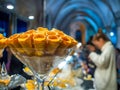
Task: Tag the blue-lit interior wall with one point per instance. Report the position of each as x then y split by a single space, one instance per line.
21 26
4 23
94 14
113 37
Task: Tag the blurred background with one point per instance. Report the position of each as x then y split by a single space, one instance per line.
78 18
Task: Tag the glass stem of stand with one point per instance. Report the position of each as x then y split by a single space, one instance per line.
3 88
52 80
42 84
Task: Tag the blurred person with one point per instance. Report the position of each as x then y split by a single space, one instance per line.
100 30
91 65
105 73
118 58
1 55
3 58
13 65
118 66
82 58
87 65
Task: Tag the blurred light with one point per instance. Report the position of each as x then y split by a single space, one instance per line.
4 34
111 33
10 6
62 64
78 45
75 54
68 58
31 17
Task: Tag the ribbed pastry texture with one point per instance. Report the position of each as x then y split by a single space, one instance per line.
41 42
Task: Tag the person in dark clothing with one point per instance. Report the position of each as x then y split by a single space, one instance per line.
13 65
90 64
4 57
118 66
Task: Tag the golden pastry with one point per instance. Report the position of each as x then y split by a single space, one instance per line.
62 85
52 44
59 82
13 43
39 41
59 33
66 42
42 30
3 41
5 81
51 33
30 31
54 72
30 85
28 71
25 41
73 42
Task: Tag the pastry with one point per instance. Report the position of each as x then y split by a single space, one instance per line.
39 41
25 41
3 41
52 44
66 42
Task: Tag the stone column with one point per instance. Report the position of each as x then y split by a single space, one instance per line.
108 30
117 20
12 24
118 37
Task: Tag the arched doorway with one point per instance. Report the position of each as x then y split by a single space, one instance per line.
77 30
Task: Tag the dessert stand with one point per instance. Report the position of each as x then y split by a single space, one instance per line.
41 50
40 66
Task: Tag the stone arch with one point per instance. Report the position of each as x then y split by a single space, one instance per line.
73 18
67 10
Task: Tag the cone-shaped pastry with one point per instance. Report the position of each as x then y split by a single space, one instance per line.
39 41
73 43
51 33
30 31
59 33
25 41
42 30
66 42
2 44
52 44
1 36
13 43
2 41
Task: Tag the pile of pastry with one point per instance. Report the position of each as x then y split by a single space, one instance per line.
3 44
3 41
63 78
41 42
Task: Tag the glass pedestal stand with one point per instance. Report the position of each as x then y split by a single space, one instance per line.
40 66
